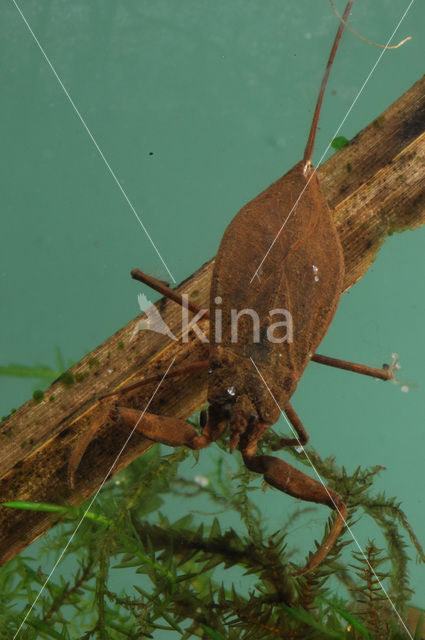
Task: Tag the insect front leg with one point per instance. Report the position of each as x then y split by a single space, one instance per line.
170 431
303 436
107 408
286 478
161 429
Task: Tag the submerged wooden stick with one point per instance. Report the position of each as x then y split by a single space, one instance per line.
376 186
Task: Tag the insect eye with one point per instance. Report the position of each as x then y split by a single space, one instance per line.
252 418
203 418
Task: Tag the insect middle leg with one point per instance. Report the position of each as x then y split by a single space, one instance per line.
382 374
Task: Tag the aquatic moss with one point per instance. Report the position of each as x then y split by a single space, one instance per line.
181 568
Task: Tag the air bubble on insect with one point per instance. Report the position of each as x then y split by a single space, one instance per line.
202 481
298 449
109 371
315 269
316 278
231 391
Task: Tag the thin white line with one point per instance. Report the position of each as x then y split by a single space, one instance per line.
327 491
92 139
333 137
92 500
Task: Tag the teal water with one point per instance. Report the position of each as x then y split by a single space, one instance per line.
198 106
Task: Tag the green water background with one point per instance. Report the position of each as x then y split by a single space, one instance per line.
198 106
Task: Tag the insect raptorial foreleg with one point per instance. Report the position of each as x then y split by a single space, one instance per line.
303 436
170 431
107 408
286 478
161 429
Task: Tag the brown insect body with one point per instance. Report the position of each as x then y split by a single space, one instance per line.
303 273
287 229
